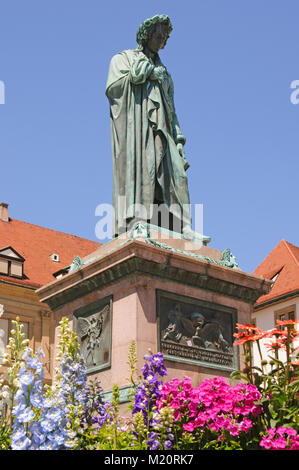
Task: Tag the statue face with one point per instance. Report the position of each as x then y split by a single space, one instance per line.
158 38
198 323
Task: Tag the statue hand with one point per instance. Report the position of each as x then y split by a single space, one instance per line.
158 73
181 151
180 148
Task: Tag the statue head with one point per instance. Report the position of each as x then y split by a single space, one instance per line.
197 319
154 32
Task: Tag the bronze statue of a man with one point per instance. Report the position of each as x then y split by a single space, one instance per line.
149 164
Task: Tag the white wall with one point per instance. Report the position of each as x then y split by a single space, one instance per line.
265 319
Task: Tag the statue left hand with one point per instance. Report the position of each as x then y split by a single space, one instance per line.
180 148
181 151
158 74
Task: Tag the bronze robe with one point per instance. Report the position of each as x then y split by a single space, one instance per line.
147 167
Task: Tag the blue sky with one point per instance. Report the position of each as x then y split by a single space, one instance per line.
232 63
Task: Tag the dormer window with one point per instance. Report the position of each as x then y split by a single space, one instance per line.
275 277
11 262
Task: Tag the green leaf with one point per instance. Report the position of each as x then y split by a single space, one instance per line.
273 423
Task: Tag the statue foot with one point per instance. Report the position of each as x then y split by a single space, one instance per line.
189 233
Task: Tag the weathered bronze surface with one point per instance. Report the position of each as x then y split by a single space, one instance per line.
92 324
147 143
193 330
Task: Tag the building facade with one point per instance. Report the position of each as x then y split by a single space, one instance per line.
30 257
281 266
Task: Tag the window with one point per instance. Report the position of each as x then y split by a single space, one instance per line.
286 316
275 277
11 263
288 313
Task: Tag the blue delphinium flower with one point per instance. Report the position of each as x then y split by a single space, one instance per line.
168 445
38 435
43 419
19 433
26 415
47 425
45 432
149 389
54 414
154 364
155 445
37 400
49 445
96 412
58 437
30 379
26 378
20 444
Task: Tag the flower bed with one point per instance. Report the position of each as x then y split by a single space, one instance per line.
259 411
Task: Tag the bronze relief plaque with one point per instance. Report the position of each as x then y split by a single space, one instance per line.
92 324
196 332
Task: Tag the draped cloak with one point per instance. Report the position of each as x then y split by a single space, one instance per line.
147 167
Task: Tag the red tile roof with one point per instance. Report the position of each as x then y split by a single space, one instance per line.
36 244
284 261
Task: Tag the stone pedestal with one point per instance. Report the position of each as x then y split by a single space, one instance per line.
163 296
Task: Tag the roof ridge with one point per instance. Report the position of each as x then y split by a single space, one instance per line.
290 250
53 230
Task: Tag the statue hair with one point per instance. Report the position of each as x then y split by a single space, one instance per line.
148 26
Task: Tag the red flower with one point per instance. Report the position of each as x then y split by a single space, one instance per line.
278 343
277 332
242 340
286 322
251 333
247 327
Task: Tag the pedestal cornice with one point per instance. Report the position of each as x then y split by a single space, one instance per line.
136 256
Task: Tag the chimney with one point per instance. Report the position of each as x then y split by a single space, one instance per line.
4 212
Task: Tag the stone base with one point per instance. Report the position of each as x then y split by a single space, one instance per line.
160 295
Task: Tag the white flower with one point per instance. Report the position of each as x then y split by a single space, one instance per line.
71 434
49 402
16 383
6 396
69 443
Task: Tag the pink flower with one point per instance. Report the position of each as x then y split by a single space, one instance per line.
201 419
295 444
280 438
279 443
237 410
266 443
175 404
189 426
290 432
213 404
256 410
234 430
245 425
176 415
